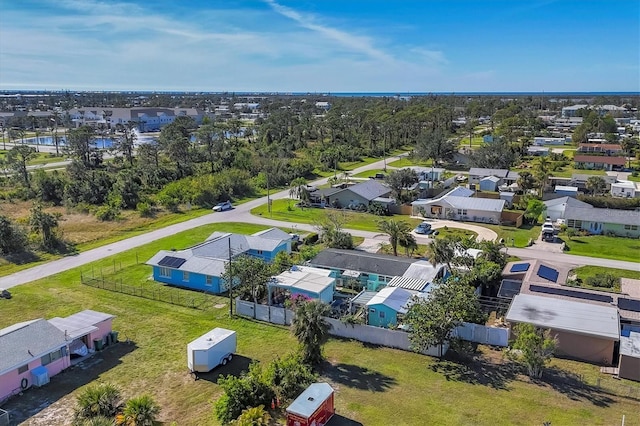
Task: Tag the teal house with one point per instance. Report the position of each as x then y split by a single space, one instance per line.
386 308
200 267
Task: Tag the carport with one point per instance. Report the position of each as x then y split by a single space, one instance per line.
82 328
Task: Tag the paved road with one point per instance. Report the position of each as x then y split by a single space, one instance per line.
242 214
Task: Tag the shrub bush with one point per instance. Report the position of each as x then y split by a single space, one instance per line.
144 209
603 280
310 238
98 400
107 213
250 390
611 202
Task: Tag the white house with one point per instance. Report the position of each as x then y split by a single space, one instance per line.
459 205
625 188
555 209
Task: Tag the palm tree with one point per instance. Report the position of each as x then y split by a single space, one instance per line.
526 181
408 242
254 416
542 170
98 400
140 411
311 330
396 230
596 185
442 250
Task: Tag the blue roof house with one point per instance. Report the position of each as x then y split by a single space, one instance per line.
384 309
200 267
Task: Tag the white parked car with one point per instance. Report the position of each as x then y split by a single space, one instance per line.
220 207
547 228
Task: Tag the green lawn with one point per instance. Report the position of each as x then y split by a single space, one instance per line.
374 385
284 209
408 161
618 248
520 236
476 141
455 232
369 173
40 158
585 272
634 178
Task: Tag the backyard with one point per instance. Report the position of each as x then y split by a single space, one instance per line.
374 386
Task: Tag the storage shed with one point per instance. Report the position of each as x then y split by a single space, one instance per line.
489 183
314 406
384 307
583 331
629 362
314 283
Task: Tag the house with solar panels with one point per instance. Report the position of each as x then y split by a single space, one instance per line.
200 267
588 323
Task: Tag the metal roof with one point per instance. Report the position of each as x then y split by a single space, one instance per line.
303 280
621 217
409 283
568 201
23 342
478 171
482 204
310 400
424 270
363 297
81 323
564 315
274 234
395 298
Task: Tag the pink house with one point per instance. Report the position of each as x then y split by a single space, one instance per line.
83 328
26 346
33 349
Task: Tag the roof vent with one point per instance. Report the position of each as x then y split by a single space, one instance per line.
310 399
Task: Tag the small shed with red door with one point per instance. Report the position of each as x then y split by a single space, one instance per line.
314 406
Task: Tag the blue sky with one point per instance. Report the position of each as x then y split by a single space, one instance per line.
321 46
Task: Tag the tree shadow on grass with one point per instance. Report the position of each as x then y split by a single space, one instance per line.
357 377
238 365
34 400
476 371
22 258
573 387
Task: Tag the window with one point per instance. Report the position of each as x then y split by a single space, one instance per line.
50 357
259 251
572 223
185 276
462 212
23 369
631 227
165 272
381 314
208 280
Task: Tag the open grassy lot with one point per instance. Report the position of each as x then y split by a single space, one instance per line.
618 248
518 237
476 141
589 271
374 386
285 209
370 173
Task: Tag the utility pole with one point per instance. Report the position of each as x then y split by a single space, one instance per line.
230 282
268 198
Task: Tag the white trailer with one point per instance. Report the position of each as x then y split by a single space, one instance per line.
210 350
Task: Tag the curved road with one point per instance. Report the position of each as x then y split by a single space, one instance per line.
241 213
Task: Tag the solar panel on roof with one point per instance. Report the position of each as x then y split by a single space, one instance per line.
171 262
573 293
629 304
509 288
547 273
519 267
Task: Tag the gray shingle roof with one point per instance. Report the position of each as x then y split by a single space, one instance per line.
369 189
26 341
569 201
620 217
361 261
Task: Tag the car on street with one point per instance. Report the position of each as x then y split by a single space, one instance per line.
220 207
424 228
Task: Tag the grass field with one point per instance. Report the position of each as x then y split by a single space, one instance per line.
409 161
374 386
584 272
285 209
618 248
518 237
476 141
40 158
369 173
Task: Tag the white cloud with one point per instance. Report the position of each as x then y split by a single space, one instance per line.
356 43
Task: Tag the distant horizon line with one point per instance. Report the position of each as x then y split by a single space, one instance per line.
329 93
